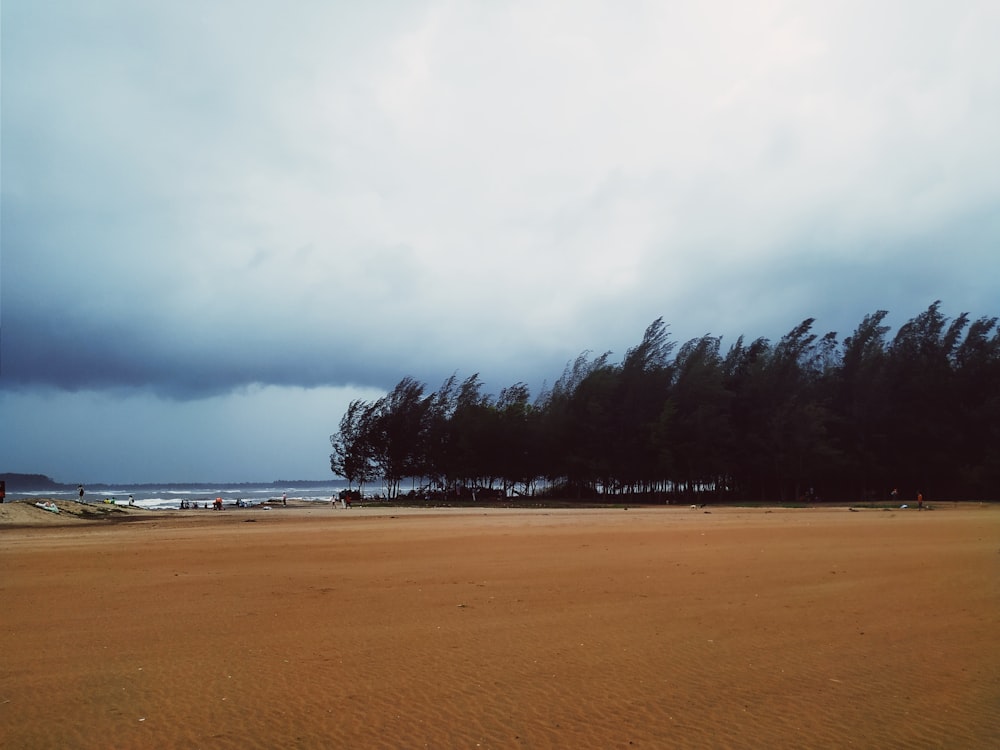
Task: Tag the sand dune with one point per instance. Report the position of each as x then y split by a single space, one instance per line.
664 627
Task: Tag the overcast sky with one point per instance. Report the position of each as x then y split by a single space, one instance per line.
221 221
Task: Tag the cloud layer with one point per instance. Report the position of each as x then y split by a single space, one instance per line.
198 200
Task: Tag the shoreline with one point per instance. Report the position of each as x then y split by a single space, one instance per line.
27 513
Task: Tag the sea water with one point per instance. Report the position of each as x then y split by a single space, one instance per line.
171 495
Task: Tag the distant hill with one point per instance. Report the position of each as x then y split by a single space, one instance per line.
31 482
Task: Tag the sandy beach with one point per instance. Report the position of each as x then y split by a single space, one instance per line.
309 627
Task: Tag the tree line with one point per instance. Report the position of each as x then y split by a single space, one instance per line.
807 417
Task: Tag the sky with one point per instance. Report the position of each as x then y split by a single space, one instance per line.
221 222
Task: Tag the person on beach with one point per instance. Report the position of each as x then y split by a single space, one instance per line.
284 498
3 491
79 491
920 501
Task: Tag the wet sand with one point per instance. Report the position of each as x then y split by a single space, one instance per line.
610 628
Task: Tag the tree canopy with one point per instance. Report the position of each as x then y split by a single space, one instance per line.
806 417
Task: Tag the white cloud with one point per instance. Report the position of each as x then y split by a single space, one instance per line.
374 190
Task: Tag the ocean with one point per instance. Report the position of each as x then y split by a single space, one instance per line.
170 495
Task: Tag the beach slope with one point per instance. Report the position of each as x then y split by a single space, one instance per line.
607 628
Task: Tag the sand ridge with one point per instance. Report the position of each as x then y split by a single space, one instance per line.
651 627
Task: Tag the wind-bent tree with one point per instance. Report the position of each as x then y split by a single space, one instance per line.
696 419
761 422
797 428
923 430
517 440
743 370
473 429
861 403
977 374
563 433
399 429
644 384
353 456
438 444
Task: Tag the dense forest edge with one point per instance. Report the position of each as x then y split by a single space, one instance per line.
806 419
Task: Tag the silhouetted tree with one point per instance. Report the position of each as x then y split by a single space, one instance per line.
353 454
743 369
517 439
923 427
697 419
639 398
761 422
398 430
977 375
567 432
861 403
473 431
